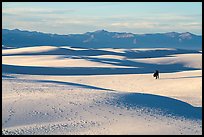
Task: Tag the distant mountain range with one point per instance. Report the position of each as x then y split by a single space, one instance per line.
102 39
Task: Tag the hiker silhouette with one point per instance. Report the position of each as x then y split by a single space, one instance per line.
156 74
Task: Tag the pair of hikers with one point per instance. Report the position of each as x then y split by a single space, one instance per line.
156 74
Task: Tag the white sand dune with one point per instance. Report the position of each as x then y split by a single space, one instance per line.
62 90
29 50
52 61
188 60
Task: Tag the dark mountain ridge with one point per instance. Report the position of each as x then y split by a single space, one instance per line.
102 39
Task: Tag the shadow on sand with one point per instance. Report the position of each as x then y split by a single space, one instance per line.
143 68
73 84
7 77
165 104
91 55
128 53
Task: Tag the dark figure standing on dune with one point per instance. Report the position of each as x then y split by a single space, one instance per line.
156 74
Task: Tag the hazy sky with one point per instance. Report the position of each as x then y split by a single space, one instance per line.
81 17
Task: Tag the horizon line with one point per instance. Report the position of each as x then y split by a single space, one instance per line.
104 30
